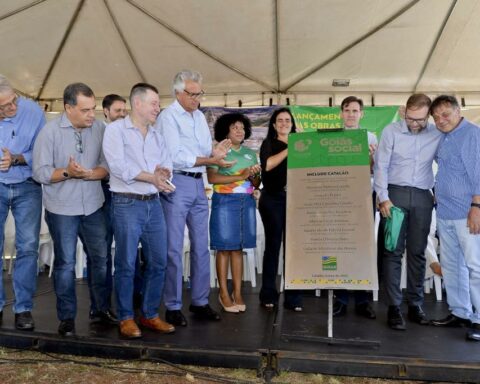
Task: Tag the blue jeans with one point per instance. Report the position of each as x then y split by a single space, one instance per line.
460 259
65 231
107 211
25 201
137 221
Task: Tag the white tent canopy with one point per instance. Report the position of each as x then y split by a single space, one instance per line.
248 50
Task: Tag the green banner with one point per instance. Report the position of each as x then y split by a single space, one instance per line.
328 149
374 120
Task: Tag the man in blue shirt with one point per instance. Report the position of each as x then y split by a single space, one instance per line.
457 190
140 168
189 141
403 177
20 122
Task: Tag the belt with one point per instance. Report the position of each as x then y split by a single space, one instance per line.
407 187
137 196
195 175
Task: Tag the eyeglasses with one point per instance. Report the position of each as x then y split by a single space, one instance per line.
11 103
418 121
194 95
79 143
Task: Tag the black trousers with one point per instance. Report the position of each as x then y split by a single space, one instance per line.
272 207
361 296
417 205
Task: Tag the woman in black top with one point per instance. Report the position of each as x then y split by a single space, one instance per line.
272 206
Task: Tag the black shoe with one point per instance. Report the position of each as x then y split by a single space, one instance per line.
176 318
93 315
67 327
474 332
416 315
451 321
339 309
293 307
365 310
395 318
107 317
24 321
204 312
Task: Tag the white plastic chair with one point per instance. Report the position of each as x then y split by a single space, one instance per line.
9 242
377 225
45 244
260 249
431 279
249 273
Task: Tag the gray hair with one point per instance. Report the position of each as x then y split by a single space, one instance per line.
182 76
5 86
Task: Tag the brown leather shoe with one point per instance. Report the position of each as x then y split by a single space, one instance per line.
129 329
156 324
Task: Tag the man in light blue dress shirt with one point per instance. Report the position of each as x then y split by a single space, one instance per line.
403 177
20 122
140 166
457 189
189 141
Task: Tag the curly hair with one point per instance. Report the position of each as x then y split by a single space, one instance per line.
221 128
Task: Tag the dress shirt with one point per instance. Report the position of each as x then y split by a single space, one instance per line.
128 154
187 136
404 158
18 134
55 143
458 176
372 140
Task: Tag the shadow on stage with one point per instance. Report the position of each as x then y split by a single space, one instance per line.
268 341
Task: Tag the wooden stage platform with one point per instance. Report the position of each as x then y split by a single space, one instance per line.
269 341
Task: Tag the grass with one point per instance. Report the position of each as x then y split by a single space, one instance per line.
18 367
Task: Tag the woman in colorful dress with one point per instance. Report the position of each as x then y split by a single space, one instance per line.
232 220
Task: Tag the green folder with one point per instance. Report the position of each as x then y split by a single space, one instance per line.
393 225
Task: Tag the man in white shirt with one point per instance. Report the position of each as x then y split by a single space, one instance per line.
189 141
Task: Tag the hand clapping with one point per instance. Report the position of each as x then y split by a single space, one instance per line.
77 171
161 175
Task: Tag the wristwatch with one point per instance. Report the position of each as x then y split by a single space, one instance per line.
475 205
65 174
15 160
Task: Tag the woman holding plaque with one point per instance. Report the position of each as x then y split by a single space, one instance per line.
233 220
272 206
